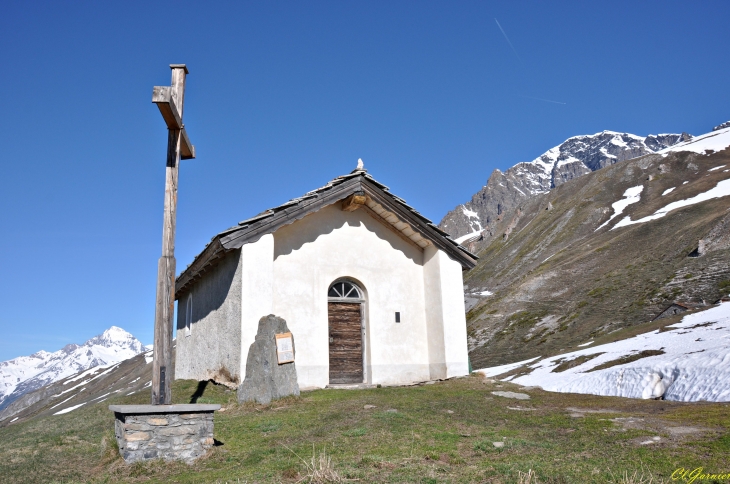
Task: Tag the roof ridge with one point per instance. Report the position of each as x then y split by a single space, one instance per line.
253 226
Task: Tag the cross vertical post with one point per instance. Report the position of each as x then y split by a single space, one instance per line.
169 100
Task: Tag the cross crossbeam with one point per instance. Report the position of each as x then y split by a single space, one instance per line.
162 96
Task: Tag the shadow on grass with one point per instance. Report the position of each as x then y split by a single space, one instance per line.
198 391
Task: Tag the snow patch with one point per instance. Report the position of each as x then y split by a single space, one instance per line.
631 195
469 213
61 403
468 236
668 190
722 189
476 224
69 409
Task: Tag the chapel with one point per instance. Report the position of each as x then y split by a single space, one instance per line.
371 290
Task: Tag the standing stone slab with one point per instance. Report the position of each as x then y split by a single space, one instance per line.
170 432
266 379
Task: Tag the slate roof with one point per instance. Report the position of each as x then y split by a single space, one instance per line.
268 221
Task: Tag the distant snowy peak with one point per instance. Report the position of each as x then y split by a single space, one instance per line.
27 373
116 336
596 151
716 140
575 157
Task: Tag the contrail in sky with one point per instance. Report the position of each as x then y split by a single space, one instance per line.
523 65
541 99
510 43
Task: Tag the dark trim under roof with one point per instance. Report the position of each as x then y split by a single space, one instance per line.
340 188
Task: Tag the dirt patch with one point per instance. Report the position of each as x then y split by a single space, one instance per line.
566 365
679 431
591 410
626 359
630 423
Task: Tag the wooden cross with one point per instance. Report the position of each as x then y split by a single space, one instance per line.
170 101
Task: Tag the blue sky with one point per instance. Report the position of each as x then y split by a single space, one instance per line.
284 96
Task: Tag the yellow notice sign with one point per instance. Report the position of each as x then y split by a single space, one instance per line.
284 348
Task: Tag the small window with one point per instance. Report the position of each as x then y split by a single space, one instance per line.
344 289
189 315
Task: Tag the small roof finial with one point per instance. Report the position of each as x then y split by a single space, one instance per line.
360 165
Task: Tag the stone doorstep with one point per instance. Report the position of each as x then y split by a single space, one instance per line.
362 386
350 386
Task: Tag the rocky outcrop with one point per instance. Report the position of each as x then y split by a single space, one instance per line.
574 158
266 379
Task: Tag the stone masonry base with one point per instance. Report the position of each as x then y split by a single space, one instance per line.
170 432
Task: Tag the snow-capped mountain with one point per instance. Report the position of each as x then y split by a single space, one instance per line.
27 373
575 157
603 253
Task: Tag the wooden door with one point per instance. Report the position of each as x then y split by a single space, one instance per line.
345 333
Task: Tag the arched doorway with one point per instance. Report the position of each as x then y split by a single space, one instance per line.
345 315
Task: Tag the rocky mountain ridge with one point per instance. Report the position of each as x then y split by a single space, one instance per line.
605 252
473 221
28 373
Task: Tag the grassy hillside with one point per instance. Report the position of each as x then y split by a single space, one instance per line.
442 432
558 282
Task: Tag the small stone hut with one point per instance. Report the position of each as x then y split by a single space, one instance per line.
677 308
371 290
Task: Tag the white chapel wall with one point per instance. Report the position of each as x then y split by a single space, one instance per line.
445 315
212 349
256 291
312 253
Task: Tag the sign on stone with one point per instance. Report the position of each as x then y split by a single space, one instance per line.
284 348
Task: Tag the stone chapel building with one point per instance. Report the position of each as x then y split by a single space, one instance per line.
371 290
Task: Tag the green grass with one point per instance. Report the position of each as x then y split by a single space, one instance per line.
439 433
724 286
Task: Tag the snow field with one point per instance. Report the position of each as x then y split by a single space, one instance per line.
714 140
695 365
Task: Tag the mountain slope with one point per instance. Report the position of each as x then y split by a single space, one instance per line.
605 251
575 157
28 373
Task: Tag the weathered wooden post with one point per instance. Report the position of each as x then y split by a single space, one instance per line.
170 100
161 430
